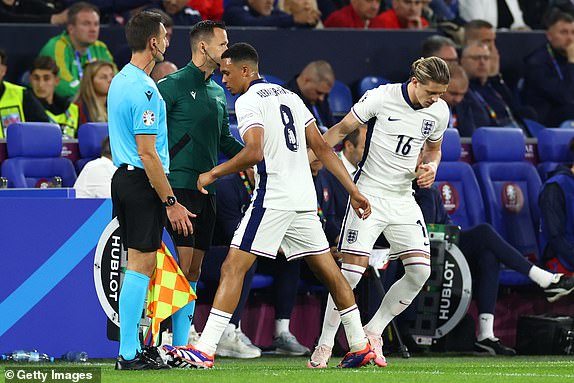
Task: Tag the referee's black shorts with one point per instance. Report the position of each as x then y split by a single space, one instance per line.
139 209
203 205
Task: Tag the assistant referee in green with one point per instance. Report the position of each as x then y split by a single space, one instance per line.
198 128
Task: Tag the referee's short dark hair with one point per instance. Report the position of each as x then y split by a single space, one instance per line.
141 28
203 31
241 52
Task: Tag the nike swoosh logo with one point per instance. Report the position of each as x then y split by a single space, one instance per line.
426 243
394 119
403 303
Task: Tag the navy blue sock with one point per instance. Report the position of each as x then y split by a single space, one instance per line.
132 297
181 321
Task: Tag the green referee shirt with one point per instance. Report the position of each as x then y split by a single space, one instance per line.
197 124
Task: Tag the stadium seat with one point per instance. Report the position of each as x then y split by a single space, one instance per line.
272 79
534 127
553 150
218 253
90 137
34 150
457 184
370 82
510 187
568 124
340 99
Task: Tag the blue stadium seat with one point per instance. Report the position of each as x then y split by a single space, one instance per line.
370 82
34 150
534 127
340 99
510 187
272 79
218 253
568 124
553 150
90 137
457 184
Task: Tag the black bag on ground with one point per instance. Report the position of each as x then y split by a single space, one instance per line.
545 335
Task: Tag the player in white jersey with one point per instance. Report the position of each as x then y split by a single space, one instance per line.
405 127
276 128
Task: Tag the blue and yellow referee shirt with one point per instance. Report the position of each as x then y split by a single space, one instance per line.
135 106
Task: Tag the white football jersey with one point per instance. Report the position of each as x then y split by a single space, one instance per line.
396 138
283 178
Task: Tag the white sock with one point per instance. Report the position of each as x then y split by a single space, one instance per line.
401 294
542 277
216 324
351 319
332 320
281 325
485 327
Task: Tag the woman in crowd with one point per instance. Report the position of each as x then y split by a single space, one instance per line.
93 94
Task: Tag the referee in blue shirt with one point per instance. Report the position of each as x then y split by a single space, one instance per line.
141 194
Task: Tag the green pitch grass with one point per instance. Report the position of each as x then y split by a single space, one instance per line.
441 369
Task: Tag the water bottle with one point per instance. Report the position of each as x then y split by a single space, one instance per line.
76 357
20 356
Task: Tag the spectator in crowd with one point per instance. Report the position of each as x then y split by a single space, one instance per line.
534 11
179 12
437 11
358 14
404 14
549 72
209 9
44 80
325 7
557 219
17 104
499 13
480 31
162 69
351 154
461 116
489 107
485 250
313 85
440 46
93 97
293 6
32 11
263 13
76 46
95 179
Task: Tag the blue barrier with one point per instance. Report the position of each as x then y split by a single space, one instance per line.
47 300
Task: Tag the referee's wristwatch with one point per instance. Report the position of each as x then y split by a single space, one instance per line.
170 201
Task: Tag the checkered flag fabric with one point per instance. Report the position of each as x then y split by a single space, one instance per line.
168 291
